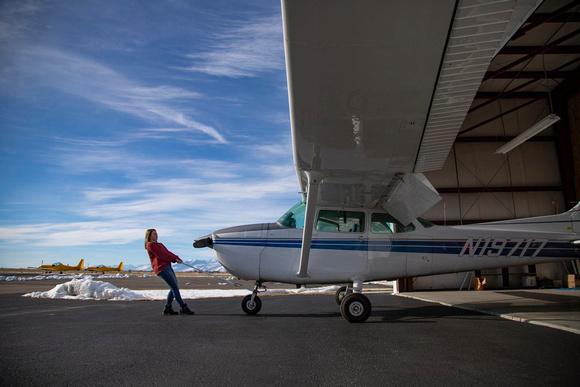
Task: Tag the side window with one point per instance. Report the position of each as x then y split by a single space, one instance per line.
343 221
386 224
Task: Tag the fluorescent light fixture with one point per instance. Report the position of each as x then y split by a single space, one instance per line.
576 242
531 132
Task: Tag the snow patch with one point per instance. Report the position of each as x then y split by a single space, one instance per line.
88 289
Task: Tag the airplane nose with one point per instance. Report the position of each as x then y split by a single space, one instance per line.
238 249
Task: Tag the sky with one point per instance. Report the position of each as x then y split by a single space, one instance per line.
119 116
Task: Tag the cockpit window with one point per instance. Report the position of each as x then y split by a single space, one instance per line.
425 223
344 221
387 224
294 217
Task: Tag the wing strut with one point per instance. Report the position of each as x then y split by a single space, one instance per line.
314 179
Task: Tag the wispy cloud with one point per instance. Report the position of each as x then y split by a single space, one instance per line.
246 50
14 18
176 206
71 234
166 196
95 82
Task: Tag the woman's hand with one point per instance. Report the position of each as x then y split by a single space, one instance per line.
179 260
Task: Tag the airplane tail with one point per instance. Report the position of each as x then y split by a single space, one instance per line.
120 267
81 265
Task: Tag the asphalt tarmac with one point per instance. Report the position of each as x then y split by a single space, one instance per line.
295 340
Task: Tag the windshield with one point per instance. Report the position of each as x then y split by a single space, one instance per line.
294 217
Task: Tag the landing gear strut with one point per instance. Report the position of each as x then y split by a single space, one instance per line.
251 304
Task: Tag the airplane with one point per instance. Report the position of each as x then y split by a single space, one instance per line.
58 266
105 268
378 92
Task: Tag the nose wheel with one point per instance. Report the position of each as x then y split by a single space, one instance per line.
251 304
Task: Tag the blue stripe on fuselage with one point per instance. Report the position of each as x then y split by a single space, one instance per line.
450 247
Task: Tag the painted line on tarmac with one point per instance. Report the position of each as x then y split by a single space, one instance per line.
502 315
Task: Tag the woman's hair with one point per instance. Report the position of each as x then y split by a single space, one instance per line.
147 235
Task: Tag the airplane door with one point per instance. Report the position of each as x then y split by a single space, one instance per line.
397 251
339 244
387 247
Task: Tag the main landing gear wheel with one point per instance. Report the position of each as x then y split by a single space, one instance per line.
251 307
342 292
356 308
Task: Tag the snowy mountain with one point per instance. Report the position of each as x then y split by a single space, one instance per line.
211 265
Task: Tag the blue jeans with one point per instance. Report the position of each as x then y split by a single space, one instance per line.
168 276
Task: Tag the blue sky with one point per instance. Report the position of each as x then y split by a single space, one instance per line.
118 116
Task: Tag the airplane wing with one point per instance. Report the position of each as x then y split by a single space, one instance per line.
378 91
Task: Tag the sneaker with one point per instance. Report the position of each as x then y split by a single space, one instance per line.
185 310
169 310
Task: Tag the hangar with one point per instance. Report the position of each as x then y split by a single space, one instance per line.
535 75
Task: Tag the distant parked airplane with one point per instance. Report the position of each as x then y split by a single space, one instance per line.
57 266
105 268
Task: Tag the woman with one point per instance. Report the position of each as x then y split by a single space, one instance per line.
161 259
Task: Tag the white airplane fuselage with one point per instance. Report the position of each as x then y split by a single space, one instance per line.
270 252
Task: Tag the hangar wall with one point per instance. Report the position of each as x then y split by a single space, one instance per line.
540 177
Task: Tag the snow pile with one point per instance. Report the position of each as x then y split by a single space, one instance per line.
87 289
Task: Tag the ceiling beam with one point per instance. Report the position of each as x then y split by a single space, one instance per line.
515 90
520 95
494 139
524 50
548 18
499 115
566 17
535 75
466 190
493 74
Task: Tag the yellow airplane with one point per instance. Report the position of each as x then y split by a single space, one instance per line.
105 268
57 266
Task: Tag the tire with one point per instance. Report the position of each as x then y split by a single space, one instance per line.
340 294
356 308
251 307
